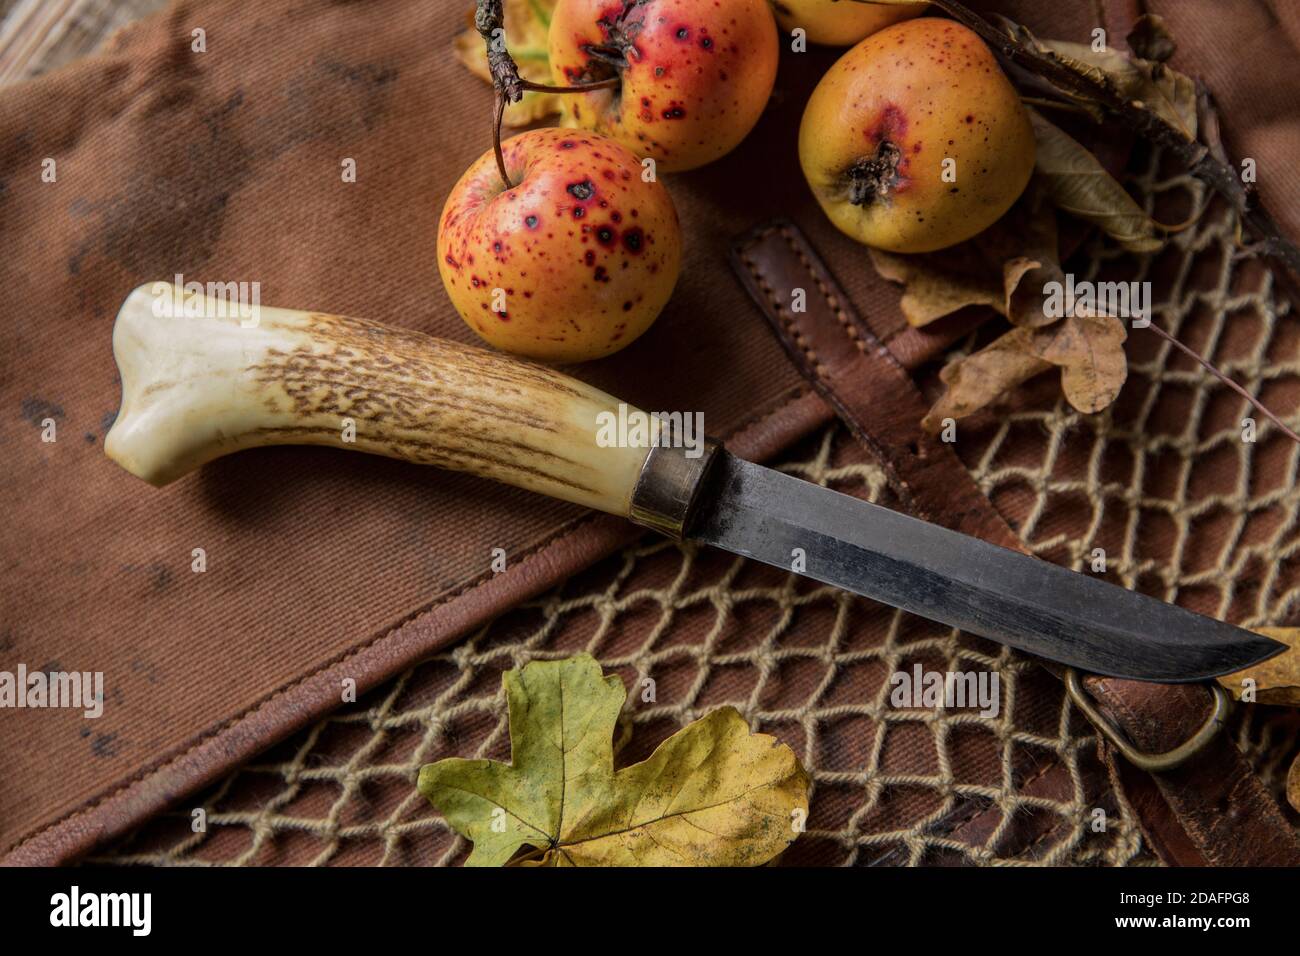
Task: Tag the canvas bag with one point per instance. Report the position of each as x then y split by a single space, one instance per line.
227 166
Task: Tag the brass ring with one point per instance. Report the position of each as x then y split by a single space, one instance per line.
1152 763
668 488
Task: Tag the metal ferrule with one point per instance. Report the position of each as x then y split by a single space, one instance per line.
668 488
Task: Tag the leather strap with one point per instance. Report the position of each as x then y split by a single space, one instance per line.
861 379
1213 809
1226 816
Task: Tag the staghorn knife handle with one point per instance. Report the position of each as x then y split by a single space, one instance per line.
203 377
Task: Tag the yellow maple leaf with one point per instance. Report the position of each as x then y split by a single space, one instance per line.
713 794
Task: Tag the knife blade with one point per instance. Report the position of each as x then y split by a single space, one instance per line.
963 582
203 377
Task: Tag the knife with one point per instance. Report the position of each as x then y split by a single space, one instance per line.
206 375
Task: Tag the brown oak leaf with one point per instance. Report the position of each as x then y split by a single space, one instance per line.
1005 267
977 380
1089 351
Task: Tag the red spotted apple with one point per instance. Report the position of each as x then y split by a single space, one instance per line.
573 261
915 139
841 22
694 76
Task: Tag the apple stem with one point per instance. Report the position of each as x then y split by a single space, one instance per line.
498 113
489 21
584 87
508 85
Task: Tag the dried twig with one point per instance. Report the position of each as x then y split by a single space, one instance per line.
1286 429
1208 165
510 87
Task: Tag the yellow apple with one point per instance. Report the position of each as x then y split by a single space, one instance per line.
841 22
915 139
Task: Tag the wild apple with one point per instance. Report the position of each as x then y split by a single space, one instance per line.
915 139
695 76
841 22
573 261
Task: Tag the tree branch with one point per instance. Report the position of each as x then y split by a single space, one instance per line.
489 21
1203 162
510 87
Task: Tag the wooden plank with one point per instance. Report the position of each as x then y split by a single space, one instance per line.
40 35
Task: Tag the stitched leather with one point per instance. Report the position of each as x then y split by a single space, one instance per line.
1211 810
852 370
1222 807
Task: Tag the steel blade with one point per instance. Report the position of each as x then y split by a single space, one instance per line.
966 583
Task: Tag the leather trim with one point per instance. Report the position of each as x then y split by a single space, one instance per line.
874 395
1214 809
1225 815
852 370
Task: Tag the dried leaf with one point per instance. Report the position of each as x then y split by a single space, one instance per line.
1150 39
527 24
1004 267
1023 280
1027 244
1090 353
933 287
977 380
1088 348
1080 186
1277 680
713 794
1167 93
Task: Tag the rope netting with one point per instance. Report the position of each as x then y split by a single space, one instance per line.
1163 483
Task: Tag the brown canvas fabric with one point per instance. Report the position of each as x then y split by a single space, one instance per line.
1245 53
226 166
321 566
